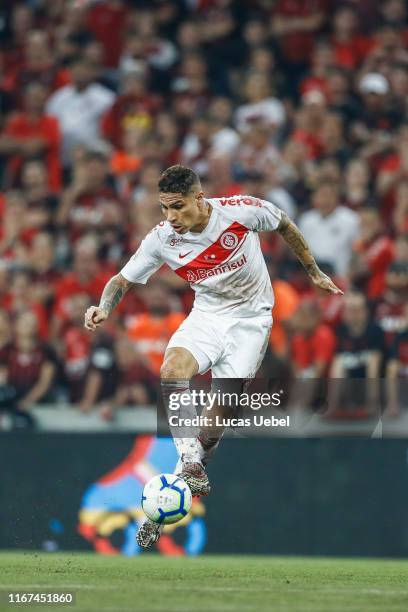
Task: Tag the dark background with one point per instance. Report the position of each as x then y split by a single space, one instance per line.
311 497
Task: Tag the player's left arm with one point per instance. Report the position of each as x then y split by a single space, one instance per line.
294 238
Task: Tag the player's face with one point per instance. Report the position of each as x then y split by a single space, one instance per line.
185 212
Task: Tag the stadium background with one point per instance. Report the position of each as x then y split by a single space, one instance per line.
303 102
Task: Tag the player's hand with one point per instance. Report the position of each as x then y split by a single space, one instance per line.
324 282
94 316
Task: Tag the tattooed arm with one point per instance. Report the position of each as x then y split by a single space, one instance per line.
294 238
113 292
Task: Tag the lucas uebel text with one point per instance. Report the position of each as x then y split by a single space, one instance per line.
257 420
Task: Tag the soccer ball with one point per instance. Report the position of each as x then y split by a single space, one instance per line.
166 499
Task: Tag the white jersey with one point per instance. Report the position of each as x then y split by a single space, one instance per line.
224 263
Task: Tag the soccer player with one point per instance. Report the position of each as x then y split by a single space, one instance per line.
214 245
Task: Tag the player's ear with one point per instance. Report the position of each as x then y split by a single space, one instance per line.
200 199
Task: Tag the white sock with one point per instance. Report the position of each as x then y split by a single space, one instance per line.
188 449
187 445
202 456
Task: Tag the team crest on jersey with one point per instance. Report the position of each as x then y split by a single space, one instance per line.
229 241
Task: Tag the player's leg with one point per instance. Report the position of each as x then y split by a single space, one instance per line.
210 434
244 343
178 368
208 438
202 335
245 346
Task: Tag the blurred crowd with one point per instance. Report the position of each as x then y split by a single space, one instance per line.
302 102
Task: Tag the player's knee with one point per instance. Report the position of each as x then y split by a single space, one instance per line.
170 370
178 363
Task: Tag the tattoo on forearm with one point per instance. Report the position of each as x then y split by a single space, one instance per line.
294 238
114 290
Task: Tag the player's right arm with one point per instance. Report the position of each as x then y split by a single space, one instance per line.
138 269
113 292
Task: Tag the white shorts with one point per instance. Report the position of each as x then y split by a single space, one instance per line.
230 347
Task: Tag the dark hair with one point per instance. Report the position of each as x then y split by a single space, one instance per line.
178 179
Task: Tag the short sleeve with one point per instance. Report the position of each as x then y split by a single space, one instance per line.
264 216
257 215
145 261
